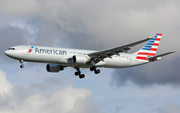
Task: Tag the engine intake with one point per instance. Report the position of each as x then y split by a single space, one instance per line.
54 68
80 59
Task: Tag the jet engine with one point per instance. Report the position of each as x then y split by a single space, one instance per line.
80 59
154 59
54 68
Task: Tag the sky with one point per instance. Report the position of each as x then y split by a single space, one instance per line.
94 25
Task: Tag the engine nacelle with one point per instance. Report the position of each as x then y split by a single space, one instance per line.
54 68
154 59
80 59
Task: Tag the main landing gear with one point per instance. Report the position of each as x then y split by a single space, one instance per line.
96 71
22 65
78 72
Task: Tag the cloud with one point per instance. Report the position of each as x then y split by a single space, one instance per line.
18 99
10 36
162 72
169 108
87 24
5 85
96 25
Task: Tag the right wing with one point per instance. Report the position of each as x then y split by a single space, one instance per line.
100 55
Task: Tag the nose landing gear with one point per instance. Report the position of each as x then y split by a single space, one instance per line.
22 65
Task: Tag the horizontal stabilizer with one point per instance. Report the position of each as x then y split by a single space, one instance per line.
158 56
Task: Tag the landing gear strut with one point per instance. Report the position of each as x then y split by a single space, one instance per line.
22 65
78 72
96 71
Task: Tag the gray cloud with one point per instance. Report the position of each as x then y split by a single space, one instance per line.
10 36
161 72
169 108
87 24
98 25
54 35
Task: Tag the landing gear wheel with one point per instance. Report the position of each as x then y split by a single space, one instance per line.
81 76
77 73
22 66
93 68
21 61
97 71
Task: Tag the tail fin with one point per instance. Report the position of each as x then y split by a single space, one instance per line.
150 48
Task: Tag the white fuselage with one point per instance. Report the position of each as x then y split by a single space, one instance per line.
64 56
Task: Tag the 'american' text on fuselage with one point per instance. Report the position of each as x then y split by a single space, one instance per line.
50 51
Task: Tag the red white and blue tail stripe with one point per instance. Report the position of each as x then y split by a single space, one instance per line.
150 48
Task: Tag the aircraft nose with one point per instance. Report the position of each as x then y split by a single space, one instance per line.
6 52
10 53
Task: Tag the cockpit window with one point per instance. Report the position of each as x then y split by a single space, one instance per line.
11 49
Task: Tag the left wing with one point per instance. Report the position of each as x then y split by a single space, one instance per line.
100 55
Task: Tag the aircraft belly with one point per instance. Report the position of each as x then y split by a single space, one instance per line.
136 63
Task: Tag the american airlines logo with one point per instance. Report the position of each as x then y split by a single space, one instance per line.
30 50
50 51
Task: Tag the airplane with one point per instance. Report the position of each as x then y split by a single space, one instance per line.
116 57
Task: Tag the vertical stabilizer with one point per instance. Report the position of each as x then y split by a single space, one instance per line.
150 48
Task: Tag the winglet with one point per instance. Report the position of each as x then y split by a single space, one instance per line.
151 37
